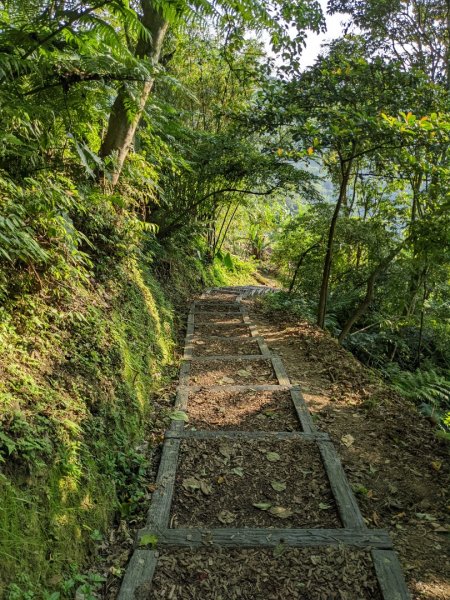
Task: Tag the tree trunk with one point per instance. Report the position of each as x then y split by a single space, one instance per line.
299 264
323 298
365 303
121 127
228 227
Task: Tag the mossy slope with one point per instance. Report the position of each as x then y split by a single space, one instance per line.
75 397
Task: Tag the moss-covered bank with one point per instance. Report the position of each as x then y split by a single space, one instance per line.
75 394
77 379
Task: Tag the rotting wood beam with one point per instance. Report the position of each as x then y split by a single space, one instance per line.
302 411
139 573
269 537
389 574
348 508
159 511
211 434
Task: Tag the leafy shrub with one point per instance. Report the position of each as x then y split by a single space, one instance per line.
293 304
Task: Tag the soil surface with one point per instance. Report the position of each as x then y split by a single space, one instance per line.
215 319
206 307
213 297
232 372
224 329
253 483
281 574
397 468
212 346
247 410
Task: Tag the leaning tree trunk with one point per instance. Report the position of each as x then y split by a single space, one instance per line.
303 255
323 298
366 301
121 127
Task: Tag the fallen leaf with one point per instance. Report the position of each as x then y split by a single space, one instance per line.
281 512
324 506
206 488
226 517
441 528
436 464
425 517
178 415
273 456
347 440
225 451
226 380
278 486
239 471
191 483
262 505
278 550
243 373
148 539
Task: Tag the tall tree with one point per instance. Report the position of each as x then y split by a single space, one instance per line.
285 22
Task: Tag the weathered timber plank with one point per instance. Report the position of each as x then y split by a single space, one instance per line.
264 348
253 329
188 349
158 513
239 388
255 332
205 434
205 301
139 573
347 506
185 371
181 400
252 537
181 403
279 369
217 306
220 325
302 410
229 290
190 323
389 574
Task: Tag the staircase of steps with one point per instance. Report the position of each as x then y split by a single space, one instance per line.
215 319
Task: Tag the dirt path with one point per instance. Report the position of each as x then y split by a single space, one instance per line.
251 500
398 470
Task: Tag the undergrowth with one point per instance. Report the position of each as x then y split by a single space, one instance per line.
78 373
75 395
428 388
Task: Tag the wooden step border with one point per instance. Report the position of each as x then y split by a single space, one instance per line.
219 434
140 570
250 537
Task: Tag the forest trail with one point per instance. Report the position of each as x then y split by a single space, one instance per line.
251 499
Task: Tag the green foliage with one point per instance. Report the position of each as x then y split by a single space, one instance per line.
229 160
76 400
430 390
289 304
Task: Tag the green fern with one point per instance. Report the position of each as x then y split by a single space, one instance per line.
423 386
430 390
